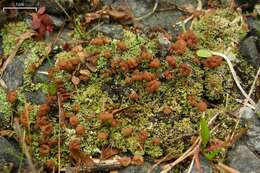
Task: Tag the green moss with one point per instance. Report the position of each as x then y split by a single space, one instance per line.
175 130
11 33
152 150
5 108
220 30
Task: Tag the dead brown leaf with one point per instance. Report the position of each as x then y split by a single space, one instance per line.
75 80
108 152
7 133
114 14
197 159
189 8
119 14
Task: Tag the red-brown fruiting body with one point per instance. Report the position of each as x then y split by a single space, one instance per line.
155 63
180 47
171 61
102 136
202 106
185 70
121 46
74 120
105 116
12 96
213 61
153 86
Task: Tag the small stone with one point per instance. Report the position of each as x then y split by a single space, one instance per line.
247 113
85 72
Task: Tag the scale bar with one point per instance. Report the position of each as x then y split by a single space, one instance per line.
20 8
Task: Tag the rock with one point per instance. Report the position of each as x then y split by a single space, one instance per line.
112 30
10 154
205 166
247 113
253 24
257 109
13 74
253 137
3 18
107 2
51 6
140 169
163 19
248 48
164 45
244 160
57 21
35 97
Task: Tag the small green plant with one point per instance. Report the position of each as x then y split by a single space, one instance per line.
204 131
203 53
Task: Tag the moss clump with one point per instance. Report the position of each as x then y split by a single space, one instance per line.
10 33
220 30
5 109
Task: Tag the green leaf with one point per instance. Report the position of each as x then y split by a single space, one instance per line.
203 53
204 131
211 155
52 89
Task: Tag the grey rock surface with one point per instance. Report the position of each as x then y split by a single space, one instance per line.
112 30
253 136
35 97
13 75
205 166
140 169
244 160
10 154
248 48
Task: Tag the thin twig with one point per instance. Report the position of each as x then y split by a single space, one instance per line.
245 102
21 39
59 139
62 8
25 149
222 167
188 153
184 22
252 86
150 13
235 77
191 166
160 161
2 83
